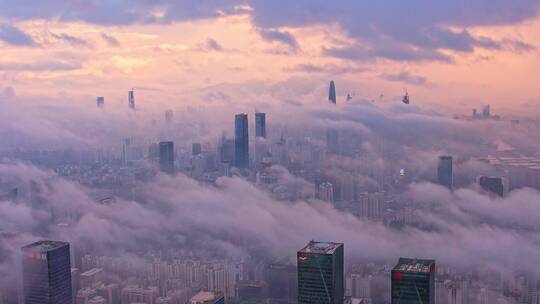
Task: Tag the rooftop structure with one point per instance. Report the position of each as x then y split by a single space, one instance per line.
414 265
320 247
45 245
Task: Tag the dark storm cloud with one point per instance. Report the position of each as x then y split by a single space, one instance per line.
12 35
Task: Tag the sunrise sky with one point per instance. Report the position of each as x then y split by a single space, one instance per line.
449 52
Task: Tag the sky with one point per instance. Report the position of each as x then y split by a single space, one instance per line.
448 54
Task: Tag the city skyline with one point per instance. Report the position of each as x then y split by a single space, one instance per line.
185 152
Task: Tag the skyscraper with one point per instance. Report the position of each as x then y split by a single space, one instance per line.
260 125
320 273
196 149
131 99
46 273
445 172
169 116
493 185
332 141
166 157
413 281
100 101
326 192
241 141
332 93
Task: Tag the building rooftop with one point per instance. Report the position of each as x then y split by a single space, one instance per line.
321 247
91 272
414 265
45 245
204 296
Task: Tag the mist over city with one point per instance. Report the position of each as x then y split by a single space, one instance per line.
276 152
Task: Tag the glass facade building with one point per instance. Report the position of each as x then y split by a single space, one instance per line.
413 282
166 157
241 141
260 125
46 273
445 172
320 273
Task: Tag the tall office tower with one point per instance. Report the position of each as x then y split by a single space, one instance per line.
413 281
332 141
320 273
169 116
131 99
332 93
100 100
494 185
486 111
326 192
445 172
226 150
260 125
196 149
241 141
46 273
166 157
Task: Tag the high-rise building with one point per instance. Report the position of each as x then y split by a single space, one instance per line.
260 125
207 297
131 99
100 101
241 141
166 157
46 273
332 141
332 93
486 111
413 281
493 184
169 116
326 192
320 273
196 149
445 173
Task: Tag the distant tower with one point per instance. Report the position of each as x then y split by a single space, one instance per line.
241 141
169 116
413 281
100 100
445 172
131 99
332 93
332 141
46 273
321 273
260 125
486 111
166 157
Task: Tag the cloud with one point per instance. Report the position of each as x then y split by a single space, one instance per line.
284 37
326 68
405 77
12 35
46 65
211 45
412 31
75 41
110 40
